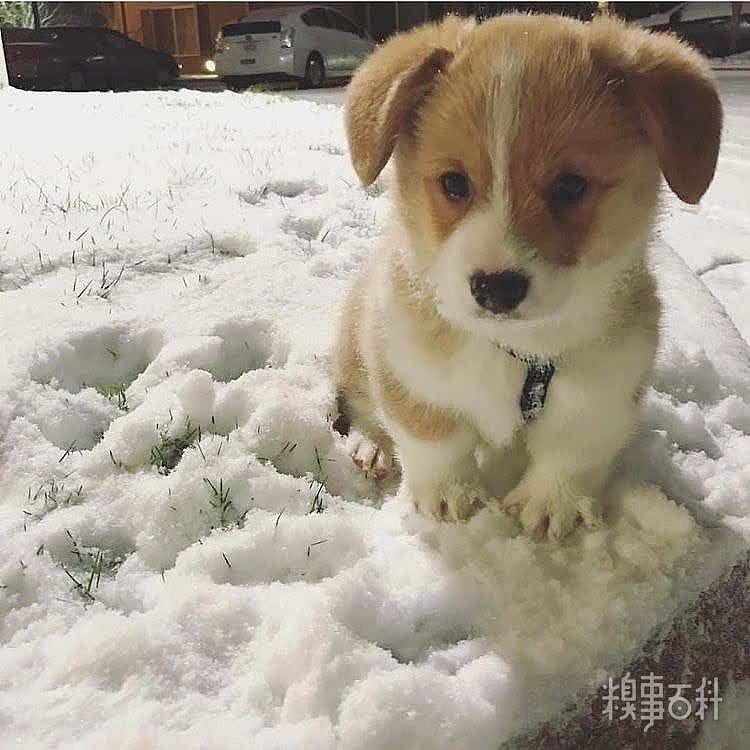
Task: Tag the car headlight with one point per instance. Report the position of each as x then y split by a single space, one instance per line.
210 66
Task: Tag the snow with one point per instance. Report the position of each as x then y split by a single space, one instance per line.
173 262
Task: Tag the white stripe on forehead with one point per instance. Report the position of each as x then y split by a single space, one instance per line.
485 239
503 100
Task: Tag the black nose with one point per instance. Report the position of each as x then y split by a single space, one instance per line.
499 292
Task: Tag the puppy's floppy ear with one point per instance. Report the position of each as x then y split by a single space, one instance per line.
673 89
388 88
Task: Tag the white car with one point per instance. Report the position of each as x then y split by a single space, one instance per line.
308 43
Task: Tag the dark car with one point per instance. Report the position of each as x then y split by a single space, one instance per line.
713 35
23 60
76 58
706 26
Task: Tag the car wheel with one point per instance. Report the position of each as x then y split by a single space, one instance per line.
315 72
164 76
236 84
75 81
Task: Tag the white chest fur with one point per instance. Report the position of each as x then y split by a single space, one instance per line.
478 380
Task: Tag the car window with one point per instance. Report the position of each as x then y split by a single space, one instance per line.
356 30
13 34
342 23
83 40
693 27
47 36
334 21
55 35
316 17
241 28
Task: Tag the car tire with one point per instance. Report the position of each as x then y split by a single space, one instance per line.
75 81
315 72
237 84
164 76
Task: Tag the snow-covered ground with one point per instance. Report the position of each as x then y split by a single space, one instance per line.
171 265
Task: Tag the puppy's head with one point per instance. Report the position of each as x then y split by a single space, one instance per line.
529 152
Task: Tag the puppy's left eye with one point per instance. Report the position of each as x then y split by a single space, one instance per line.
567 190
455 185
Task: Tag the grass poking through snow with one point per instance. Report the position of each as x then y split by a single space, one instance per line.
87 568
167 454
115 392
221 502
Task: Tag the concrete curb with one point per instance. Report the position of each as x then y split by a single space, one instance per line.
709 639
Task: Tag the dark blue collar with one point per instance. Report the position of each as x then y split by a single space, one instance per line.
539 373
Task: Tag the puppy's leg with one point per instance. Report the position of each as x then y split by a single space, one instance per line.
368 444
440 475
570 456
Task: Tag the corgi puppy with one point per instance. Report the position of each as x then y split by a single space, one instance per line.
508 321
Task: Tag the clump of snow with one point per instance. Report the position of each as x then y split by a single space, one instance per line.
190 557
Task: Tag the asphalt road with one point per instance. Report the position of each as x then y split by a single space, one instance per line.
332 93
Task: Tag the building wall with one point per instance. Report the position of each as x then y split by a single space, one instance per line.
150 24
203 23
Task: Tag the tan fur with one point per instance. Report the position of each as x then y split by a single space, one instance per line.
576 117
417 306
571 122
388 87
351 373
418 418
603 100
417 310
366 385
437 146
637 304
672 88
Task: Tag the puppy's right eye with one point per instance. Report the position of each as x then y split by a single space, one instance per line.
455 185
567 190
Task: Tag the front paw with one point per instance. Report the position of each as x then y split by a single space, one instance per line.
457 501
553 511
369 457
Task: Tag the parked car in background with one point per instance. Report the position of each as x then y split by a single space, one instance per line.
26 59
306 43
77 58
706 26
